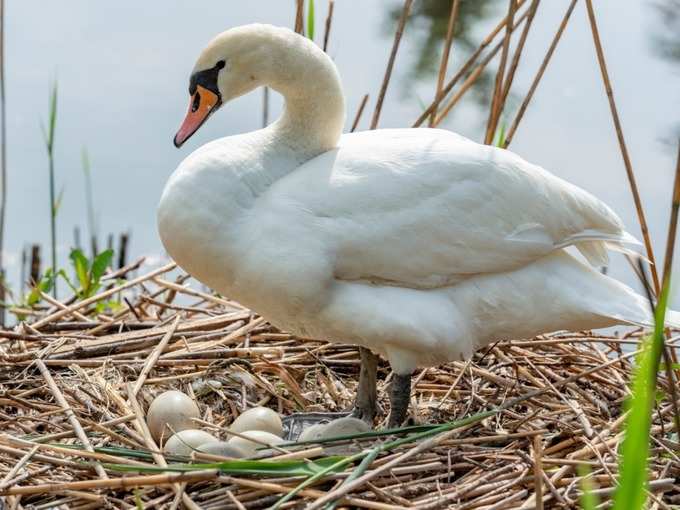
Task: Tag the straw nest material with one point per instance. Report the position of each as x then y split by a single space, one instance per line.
72 376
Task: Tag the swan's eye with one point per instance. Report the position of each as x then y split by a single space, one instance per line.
196 102
207 78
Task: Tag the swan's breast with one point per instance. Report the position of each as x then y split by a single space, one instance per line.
201 205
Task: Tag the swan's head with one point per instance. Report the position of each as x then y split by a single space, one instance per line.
234 63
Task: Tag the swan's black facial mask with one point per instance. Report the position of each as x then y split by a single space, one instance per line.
205 99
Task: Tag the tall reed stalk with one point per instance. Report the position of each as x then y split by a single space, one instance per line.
89 202
3 159
48 134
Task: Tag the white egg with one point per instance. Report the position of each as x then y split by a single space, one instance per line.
251 447
223 449
342 427
258 418
186 441
312 433
171 412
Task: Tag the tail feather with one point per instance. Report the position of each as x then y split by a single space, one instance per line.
593 245
621 237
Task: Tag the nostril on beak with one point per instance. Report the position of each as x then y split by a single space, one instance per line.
196 102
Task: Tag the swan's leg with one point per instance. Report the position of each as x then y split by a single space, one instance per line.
365 406
400 397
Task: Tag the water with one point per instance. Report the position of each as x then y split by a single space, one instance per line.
123 76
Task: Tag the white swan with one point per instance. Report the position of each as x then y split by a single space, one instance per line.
417 244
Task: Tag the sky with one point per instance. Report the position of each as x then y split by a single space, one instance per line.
123 67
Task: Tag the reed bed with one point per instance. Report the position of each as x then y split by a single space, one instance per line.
75 384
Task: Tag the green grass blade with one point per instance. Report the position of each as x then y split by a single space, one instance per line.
433 431
243 467
310 19
52 116
57 202
632 487
81 266
589 500
500 140
99 265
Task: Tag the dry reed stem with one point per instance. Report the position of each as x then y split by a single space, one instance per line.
151 362
329 20
15 469
539 74
538 471
464 68
300 16
360 111
673 223
390 63
445 56
476 73
497 99
668 354
124 482
622 144
520 48
102 295
73 420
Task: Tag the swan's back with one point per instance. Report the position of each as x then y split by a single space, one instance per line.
427 208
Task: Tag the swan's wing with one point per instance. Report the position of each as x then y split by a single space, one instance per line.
426 208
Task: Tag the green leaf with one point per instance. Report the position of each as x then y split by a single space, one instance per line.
68 281
82 267
57 202
589 500
99 265
138 500
310 19
500 140
632 487
52 116
44 285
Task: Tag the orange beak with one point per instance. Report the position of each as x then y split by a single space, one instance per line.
201 105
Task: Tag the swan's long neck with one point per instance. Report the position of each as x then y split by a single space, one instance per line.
314 113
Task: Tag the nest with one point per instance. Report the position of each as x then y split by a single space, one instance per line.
75 383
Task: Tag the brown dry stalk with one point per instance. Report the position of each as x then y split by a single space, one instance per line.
669 355
73 420
538 472
158 350
118 483
329 20
360 111
673 223
314 493
300 16
622 145
518 51
539 74
15 469
464 68
496 101
390 63
476 73
445 56
102 295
